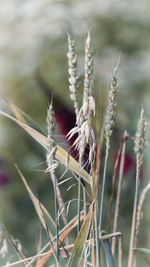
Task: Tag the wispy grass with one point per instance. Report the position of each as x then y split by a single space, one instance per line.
86 247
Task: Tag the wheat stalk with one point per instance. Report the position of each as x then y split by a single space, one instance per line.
139 149
109 122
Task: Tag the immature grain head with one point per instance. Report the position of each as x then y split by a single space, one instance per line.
110 115
88 100
73 76
51 162
140 139
88 80
83 120
50 120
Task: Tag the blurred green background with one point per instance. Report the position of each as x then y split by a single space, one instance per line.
33 65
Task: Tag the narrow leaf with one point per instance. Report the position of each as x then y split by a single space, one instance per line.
80 240
61 154
22 116
38 206
40 138
108 253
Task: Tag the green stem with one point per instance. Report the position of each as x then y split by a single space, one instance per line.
84 201
135 203
56 219
79 204
97 237
103 191
133 227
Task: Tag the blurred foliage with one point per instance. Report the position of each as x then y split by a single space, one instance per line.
33 48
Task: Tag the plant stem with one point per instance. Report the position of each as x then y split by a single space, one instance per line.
56 220
103 191
79 204
97 236
116 216
133 227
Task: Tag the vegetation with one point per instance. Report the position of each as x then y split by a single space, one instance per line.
91 245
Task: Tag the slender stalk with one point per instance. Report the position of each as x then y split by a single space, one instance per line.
139 148
50 163
56 220
116 217
139 211
103 191
79 204
84 201
109 122
120 250
135 204
97 236
133 227
113 187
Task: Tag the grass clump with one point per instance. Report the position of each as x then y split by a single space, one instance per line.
92 246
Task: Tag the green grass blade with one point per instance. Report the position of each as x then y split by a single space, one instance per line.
108 253
80 240
61 154
22 116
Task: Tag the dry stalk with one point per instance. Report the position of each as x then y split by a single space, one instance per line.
48 254
116 216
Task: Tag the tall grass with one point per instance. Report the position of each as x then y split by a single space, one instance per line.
92 246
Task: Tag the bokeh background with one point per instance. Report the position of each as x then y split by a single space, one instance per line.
33 66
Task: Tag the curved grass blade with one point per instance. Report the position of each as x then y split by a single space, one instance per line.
22 116
81 239
108 253
37 204
61 154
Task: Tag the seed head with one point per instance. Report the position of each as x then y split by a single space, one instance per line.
110 115
50 158
50 120
88 80
72 69
140 139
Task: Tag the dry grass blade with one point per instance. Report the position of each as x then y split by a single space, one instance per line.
22 116
62 237
49 236
61 250
38 206
81 239
40 138
61 154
